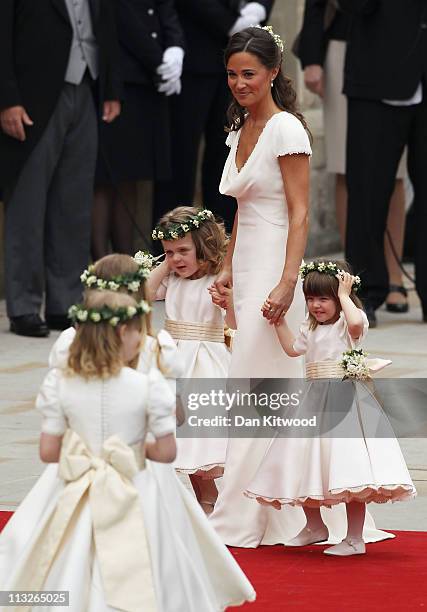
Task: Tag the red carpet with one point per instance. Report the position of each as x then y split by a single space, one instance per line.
391 576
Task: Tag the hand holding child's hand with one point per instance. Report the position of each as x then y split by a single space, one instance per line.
220 299
345 284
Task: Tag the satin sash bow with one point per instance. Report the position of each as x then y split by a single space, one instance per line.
118 524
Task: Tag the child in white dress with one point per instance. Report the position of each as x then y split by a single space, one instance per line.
194 244
324 471
96 524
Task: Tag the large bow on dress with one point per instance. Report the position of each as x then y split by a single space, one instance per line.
118 524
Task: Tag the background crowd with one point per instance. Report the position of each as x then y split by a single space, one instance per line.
96 95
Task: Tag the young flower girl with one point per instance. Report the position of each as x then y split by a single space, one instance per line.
354 464
96 524
194 244
125 274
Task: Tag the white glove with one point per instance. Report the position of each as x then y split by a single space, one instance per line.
242 22
171 87
171 67
254 10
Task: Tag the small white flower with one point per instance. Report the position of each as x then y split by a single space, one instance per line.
113 286
154 234
95 316
144 259
84 276
91 280
310 266
82 315
174 235
102 284
145 306
196 223
185 227
134 286
160 235
131 311
209 214
113 321
321 266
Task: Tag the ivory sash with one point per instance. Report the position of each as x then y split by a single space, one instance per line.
118 524
186 330
332 369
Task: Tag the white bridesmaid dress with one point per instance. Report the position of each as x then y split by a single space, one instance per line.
189 301
258 261
189 567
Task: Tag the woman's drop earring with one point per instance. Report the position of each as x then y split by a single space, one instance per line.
272 83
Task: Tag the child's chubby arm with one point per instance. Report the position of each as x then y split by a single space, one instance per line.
50 447
153 282
352 313
286 339
224 300
162 450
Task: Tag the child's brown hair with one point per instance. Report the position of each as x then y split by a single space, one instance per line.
210 238
318 284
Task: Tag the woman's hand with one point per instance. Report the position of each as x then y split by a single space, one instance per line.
278 302
224 280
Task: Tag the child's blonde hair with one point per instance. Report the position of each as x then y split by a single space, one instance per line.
210 238
322 284
96 349
118 264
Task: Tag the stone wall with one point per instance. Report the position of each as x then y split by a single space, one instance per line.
286 19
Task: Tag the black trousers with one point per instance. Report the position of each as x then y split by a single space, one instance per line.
48 210
198 113
377 134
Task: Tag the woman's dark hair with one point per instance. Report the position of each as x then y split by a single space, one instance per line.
262 45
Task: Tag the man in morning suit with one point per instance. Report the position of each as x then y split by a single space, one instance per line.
55 54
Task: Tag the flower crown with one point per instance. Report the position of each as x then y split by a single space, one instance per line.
178 230
279 42
326 268
79 314
131 281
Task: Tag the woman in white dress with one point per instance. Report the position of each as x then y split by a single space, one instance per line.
267 170
97 524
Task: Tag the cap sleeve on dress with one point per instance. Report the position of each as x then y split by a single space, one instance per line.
290 137
48 403
58 356
161 405
301 341
170 360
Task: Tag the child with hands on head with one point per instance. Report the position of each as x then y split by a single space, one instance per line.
194 243
347 466
99 500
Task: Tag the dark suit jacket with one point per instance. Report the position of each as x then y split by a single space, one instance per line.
321 23
145 29
35 39
387 48
206 24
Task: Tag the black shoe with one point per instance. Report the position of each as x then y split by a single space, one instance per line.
399 307
370 313
29 325
59 322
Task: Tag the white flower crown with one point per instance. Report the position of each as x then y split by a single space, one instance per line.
79 314
174 231
279 42
132 281
329 268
